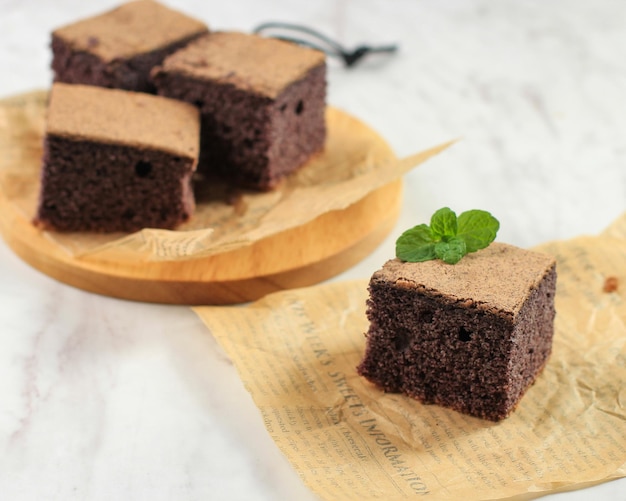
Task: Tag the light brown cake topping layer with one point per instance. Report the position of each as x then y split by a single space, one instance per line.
123 117
497 278
250 62
133 28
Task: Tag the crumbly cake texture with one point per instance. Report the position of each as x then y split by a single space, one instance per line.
471 336
118 48
262 102
116 160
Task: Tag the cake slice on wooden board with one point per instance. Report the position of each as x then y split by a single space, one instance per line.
118 48
472 336
116 160
262 102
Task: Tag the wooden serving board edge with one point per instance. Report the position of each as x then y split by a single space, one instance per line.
344 238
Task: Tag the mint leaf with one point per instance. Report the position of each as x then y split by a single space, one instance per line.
477 228
443 223
450 250
447 238
416 245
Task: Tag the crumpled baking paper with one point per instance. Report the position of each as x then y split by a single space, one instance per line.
355 162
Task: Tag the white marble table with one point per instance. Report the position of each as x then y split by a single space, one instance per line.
106 399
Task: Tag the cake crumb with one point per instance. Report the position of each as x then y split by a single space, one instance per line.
610 284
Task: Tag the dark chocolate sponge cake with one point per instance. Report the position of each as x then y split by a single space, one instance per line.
262 103
471 336
116 160
119 48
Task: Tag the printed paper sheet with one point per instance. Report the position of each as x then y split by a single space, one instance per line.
296 352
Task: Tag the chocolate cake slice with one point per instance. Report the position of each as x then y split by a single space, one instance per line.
471 336
262 103
116 160
118 48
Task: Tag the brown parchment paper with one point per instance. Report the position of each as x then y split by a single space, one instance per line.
355 161
296 353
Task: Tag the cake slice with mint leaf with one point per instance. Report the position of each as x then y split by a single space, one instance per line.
458 320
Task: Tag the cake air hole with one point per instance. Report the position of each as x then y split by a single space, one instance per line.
299 107
143 169
426 316
464 334
403 338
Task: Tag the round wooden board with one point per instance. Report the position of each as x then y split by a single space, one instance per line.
298 257
317 241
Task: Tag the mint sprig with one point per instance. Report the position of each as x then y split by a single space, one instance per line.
447 238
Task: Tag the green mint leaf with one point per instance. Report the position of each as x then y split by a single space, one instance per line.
478 228
447 238
416 245
443 223
451 250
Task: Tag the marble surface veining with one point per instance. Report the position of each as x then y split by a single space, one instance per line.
107 399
